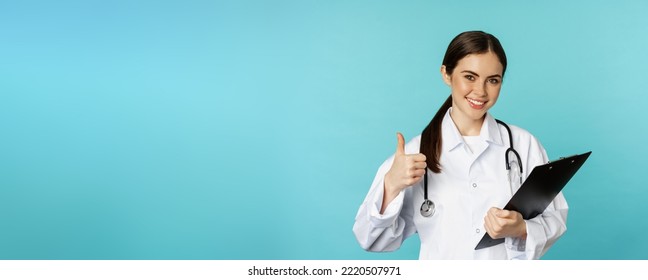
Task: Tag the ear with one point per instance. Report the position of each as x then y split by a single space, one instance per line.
445 76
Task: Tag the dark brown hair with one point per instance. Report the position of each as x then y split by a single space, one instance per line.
469 42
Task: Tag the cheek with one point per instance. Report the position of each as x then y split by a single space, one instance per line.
495 91
494 94
460 87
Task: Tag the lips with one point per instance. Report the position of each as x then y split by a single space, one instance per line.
476 104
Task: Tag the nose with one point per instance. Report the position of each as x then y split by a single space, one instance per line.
480 89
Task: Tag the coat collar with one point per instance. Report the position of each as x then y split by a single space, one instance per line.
452 138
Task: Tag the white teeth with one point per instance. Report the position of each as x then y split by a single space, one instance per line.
478 103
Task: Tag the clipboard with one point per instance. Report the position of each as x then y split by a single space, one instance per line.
540 188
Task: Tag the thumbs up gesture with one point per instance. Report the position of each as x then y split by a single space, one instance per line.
406 170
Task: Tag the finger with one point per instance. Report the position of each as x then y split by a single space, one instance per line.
413 180
419 157
501 213
420 164
418 172
492 220
506 214
400 147
415 160
493 211
488 226
496 222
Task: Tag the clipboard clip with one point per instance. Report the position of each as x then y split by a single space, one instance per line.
561 158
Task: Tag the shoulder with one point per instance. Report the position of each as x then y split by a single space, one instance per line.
521 133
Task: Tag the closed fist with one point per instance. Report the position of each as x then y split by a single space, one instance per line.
406 170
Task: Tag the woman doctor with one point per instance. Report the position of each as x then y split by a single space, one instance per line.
464 152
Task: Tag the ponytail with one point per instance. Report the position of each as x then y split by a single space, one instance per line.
431 138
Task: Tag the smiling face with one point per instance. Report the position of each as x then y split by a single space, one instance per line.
475 84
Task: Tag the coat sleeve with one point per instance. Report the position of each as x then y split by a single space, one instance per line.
383 232
545 229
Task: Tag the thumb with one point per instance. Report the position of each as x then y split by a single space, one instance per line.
400 147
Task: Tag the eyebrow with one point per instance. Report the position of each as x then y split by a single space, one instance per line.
473 73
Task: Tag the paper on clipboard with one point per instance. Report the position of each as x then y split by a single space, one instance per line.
540 188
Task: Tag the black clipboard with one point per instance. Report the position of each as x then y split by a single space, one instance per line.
540 188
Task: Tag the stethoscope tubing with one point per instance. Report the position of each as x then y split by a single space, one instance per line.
428 208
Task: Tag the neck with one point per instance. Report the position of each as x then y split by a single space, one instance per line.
467 126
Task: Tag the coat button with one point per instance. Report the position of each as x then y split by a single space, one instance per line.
474 185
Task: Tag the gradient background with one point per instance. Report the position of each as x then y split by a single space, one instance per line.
253 129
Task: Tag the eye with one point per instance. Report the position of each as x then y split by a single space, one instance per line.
494 81
469 77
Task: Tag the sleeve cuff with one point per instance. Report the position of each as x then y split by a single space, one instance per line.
390 216
519 248
515 244
536 238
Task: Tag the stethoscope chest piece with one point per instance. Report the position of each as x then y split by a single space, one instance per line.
427 208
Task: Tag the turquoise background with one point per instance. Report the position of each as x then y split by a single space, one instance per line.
253 129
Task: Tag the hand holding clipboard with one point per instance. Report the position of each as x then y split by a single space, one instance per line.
540 188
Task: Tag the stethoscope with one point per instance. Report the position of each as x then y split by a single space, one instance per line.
428 208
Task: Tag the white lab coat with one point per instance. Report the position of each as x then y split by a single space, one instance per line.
468 185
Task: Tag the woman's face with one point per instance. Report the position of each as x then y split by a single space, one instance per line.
475 84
